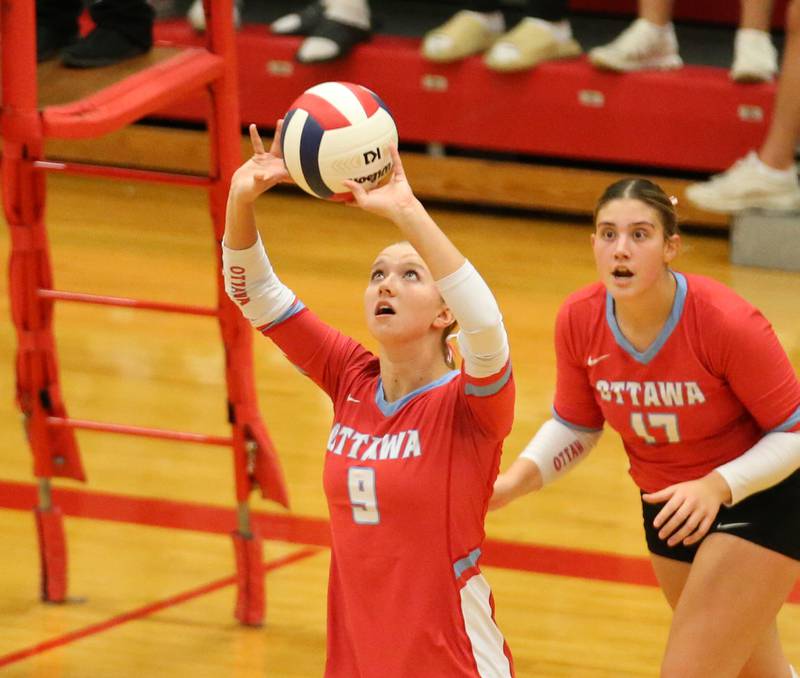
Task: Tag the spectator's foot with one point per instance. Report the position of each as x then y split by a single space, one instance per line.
643 45
102 47
749 183
531 42
755 58
330 40
197 17
464 34
49 41
298 23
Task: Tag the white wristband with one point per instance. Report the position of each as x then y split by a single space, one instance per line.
252 284
557 449
773 458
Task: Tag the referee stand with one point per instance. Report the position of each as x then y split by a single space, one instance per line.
50 431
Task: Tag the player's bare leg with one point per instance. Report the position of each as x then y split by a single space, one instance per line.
767 658
724 618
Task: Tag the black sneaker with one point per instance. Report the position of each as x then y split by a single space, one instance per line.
102 47
345 36
50 41
298 23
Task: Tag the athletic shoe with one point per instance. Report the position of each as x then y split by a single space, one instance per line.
463 35
641 46
530 43
101 47
197 17
330 40
748 183
755 58
298 23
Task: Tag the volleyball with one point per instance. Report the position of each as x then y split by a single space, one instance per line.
335 131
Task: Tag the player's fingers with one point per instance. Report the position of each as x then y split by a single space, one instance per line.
357 190
399 172
658 497
666 511
688 527
701 531
675 521
255 139
275 147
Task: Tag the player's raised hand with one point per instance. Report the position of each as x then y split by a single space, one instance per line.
263 170
390 200
690 508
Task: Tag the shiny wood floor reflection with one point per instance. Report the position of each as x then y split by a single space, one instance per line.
156 370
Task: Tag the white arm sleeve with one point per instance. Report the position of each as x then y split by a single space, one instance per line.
482 338
252 284
773 458
557 448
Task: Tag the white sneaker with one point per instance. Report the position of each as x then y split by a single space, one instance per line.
748 183
755 58
642 45
197 18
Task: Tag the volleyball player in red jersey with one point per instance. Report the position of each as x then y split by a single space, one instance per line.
415 445
708 407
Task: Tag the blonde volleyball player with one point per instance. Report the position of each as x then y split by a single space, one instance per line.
414 446
708 407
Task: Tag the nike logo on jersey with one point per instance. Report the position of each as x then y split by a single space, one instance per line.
351 399
346 441
591 362
730 526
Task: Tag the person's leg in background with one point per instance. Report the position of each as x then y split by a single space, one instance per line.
123 29
197 17
767 178
755 58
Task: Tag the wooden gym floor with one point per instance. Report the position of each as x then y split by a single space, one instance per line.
150 573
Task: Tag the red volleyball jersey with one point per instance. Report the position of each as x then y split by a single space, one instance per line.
709 387
408 485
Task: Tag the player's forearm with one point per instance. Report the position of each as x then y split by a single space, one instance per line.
436 249
482 338
240 222
521 478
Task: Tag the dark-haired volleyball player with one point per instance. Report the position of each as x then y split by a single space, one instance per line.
708 407
415 445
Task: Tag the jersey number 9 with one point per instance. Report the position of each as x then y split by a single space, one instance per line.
364 501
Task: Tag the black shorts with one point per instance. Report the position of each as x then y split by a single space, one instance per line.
770 519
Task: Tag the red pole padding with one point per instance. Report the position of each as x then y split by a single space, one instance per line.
250 597
53 554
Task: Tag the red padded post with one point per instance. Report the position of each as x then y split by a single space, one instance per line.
52 554
250 598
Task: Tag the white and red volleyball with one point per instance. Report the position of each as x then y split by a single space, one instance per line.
336 131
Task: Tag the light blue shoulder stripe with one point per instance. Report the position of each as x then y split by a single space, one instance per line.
388 409
792 421
489 389
569 424
462 565
645 357
294 309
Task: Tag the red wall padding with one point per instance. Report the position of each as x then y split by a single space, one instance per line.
691 119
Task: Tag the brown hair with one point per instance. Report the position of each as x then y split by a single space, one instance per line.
649 193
